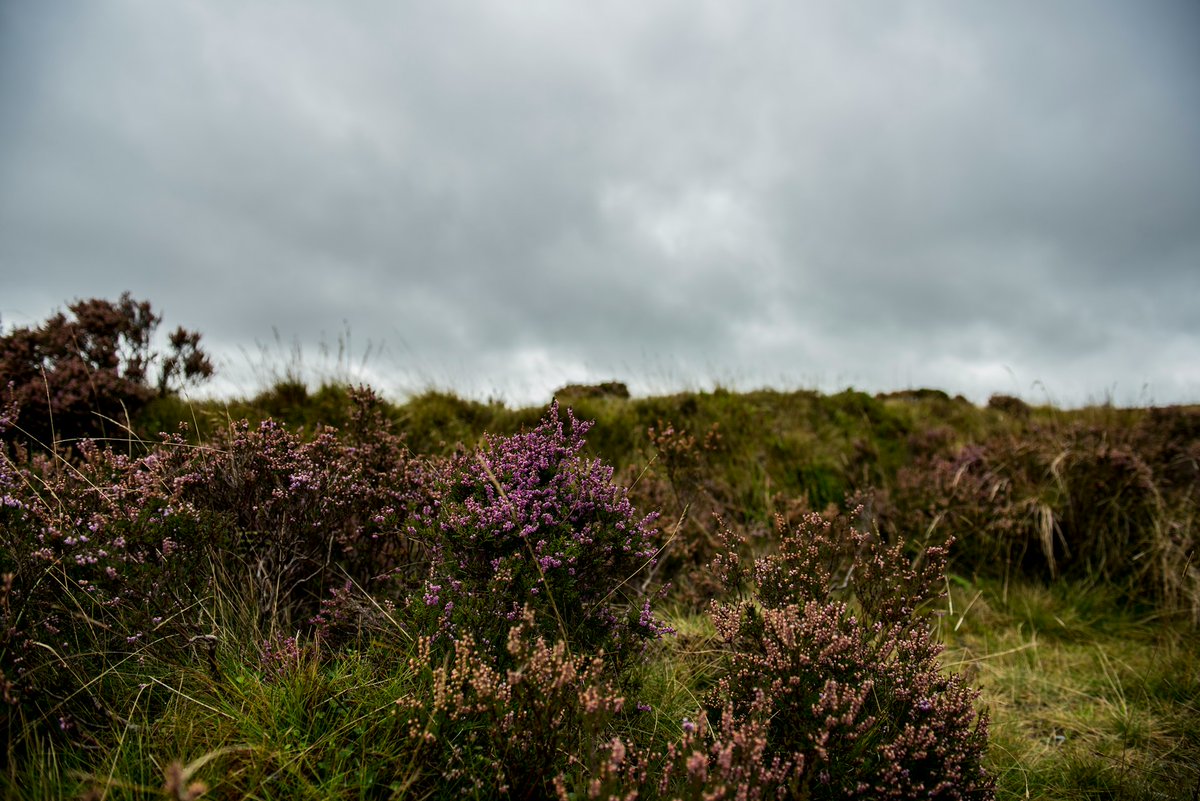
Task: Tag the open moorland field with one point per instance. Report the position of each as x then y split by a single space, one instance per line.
322 594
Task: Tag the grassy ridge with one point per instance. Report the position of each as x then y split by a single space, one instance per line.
1100 493
1087 664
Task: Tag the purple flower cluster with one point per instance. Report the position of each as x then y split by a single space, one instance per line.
280 656
529 519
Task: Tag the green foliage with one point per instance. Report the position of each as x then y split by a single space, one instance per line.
436 421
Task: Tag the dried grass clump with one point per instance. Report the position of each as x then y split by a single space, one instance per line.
1098 502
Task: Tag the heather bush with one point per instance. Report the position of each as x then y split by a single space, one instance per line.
529 520
298 516
86 374
833 688
481 730
108 557
93 578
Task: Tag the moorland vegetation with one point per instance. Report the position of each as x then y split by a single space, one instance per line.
324 594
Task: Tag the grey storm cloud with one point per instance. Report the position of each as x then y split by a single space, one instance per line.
506 197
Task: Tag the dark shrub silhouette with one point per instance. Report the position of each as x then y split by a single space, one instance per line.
74 375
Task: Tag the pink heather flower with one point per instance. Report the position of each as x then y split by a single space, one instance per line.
618 752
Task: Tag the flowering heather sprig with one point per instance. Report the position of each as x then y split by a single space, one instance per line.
732 761
13 492
528 519
280 656
826 559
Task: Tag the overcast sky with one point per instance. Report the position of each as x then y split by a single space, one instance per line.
504 197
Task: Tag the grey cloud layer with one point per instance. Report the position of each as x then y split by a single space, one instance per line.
516 195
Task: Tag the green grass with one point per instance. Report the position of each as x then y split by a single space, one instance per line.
1088 700
323 729
683 668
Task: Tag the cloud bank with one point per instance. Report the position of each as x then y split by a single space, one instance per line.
503 198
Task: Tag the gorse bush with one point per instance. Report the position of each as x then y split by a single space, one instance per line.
85 375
